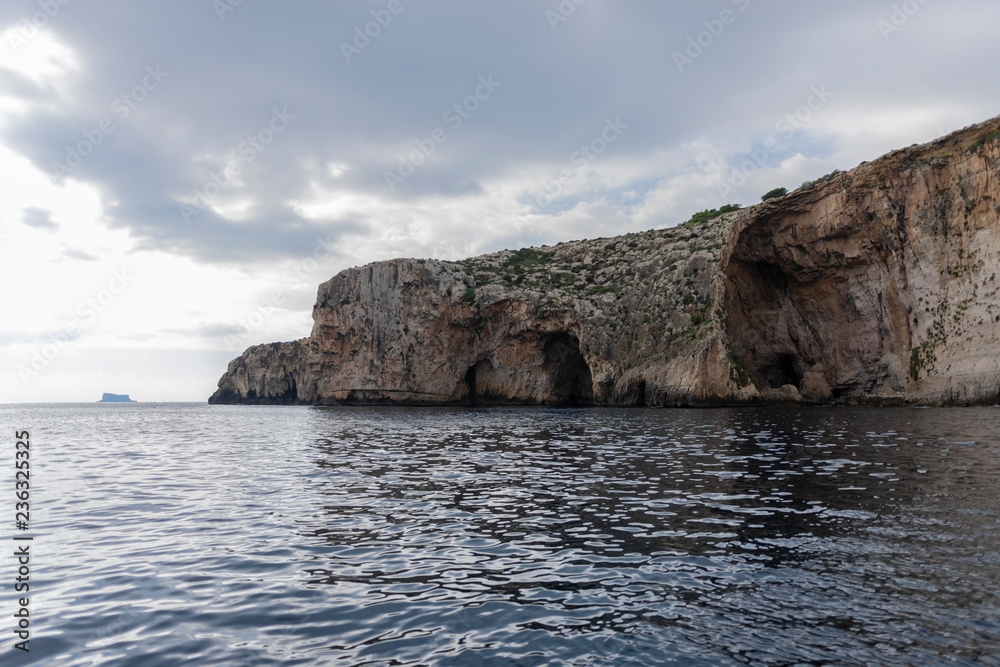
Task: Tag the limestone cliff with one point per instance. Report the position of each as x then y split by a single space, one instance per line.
275 373
876 285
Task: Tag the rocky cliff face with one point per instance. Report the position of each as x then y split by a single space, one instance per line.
879 284
276 373
876 286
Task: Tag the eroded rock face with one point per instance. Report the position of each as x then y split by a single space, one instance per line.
276 373
409 331
875 286
879 285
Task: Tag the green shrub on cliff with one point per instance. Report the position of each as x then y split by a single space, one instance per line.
809 185
777 192
740 374
527 257
982 141
711 214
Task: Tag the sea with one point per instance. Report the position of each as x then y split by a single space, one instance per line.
190 534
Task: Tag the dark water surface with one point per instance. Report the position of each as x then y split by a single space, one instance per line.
229 535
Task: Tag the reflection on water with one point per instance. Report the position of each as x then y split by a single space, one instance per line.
742 535
525 536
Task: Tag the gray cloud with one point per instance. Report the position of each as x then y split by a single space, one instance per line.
39 218
57 335
76 253
210 330
223 79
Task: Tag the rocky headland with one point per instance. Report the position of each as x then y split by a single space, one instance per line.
873 286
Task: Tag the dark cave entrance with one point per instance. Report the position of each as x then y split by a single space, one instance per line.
640 394
470 385
785 372
772 278
766 327
478 370
562 378
572 382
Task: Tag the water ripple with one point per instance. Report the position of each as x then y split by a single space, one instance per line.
262 536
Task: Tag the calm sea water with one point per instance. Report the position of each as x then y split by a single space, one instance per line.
229 535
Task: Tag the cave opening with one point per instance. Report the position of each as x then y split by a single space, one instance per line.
470 385
477 381
766 327
786 372
572 382
640 399
773 278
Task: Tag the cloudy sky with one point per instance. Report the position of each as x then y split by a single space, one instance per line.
177 177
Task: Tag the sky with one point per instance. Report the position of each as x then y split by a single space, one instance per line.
176 178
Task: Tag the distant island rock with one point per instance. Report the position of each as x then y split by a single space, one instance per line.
116 398
874 286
